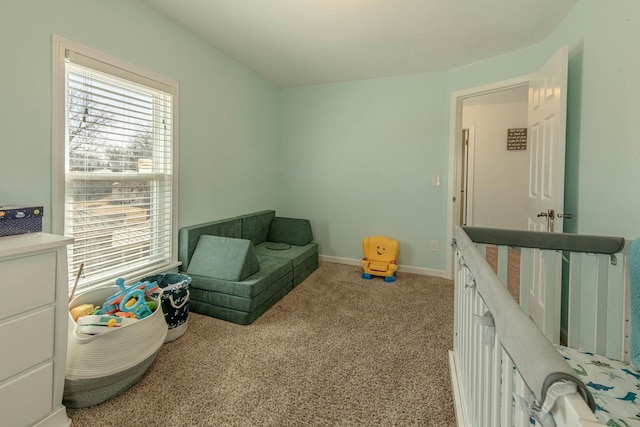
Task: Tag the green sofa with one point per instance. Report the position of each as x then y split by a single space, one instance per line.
241 266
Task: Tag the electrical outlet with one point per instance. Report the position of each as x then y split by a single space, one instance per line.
435 245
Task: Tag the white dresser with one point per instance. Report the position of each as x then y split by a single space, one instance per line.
33 329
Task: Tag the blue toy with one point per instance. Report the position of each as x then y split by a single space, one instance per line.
133 302
112 304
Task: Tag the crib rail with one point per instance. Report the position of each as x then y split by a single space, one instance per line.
502 363
595 314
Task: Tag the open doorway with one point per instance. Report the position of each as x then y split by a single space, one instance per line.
464 163
494 169
546 125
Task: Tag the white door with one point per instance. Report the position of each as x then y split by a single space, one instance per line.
546 135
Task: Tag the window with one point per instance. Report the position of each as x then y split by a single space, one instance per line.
114 166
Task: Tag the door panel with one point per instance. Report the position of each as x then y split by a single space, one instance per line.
547 128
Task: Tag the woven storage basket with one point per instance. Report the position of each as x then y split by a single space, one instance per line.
175 302
102 366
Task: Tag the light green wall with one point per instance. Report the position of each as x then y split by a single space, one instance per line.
604 157
504 67
602 154
228 115
357 159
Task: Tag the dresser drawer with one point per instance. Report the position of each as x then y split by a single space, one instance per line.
26 283
26 341
27 398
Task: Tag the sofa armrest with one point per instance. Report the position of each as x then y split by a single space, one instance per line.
294 231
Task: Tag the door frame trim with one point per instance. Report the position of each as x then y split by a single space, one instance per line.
455 128
469 176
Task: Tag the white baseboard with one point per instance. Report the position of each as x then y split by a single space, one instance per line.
401 268
57 418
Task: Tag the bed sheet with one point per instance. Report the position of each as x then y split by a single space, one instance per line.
614 385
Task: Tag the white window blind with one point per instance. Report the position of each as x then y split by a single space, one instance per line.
118 171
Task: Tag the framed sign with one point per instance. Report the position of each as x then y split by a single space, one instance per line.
517 139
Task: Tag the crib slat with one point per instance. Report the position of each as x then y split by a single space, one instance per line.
575 295
482 248
602 289
466 337
461 314
588 304
626 351
525 279
477 361
456 305
487 383
616 311
469 345
521 418
474 363
503 264
496 383
507 390
470 356
552 294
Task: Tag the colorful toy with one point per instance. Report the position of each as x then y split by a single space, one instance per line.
93 324
125 315
109 321
81 310
380 258
133 302
112 304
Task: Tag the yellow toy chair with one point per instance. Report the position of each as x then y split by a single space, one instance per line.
380 258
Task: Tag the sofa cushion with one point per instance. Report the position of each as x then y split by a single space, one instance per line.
294 231
272 269
189 236
240 303
237 316
296 254
277 246
302 271
255 226
223 258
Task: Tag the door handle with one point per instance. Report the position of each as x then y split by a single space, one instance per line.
564 215
550 215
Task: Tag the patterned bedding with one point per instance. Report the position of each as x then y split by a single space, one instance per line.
614 385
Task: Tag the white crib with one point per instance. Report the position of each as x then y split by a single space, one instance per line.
505 370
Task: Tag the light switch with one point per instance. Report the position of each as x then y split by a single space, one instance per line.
435 180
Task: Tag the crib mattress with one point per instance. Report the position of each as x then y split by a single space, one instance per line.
614 385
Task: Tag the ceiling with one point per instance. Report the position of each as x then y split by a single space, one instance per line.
299 42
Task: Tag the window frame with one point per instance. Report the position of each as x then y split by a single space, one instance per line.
60 46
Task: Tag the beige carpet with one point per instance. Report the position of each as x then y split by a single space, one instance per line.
336 351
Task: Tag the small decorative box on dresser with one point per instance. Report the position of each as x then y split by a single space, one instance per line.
34 298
